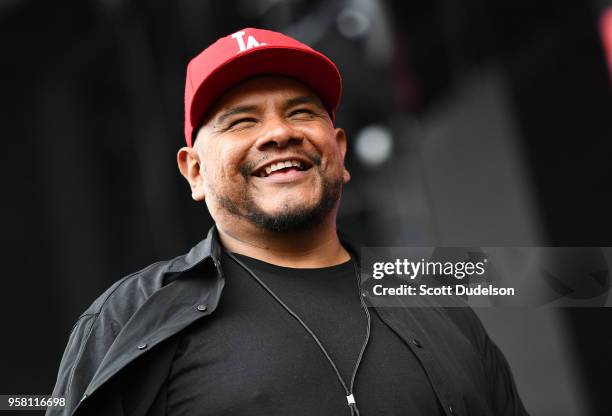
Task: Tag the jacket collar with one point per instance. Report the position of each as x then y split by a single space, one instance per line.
209 247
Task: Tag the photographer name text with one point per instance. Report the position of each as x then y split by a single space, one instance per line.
448 290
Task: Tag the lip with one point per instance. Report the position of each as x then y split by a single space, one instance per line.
293 175
302 160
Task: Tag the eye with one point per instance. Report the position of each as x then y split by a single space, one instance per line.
242 122
301 111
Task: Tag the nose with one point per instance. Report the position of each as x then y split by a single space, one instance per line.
278 133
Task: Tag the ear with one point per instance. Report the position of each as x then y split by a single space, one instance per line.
341 140
189 164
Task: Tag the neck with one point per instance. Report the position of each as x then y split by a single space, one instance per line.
318 246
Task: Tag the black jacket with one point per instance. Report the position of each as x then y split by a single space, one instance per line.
120 350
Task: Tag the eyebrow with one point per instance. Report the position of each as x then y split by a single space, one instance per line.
303 99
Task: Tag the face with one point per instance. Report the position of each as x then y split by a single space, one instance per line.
268 154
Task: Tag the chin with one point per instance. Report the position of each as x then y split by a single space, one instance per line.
288 208
291 218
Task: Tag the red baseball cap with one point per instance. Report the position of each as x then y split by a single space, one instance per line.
248 53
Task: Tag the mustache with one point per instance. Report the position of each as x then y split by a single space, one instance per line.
247 168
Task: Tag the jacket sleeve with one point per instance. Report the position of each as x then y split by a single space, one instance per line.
505 397
89 341
503 394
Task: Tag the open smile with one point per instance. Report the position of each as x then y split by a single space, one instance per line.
283 170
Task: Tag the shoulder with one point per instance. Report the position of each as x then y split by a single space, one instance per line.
460 316
452 318
98 326
117 304
469 325
102 324
127 294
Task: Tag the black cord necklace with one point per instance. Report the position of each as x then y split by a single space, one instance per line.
348 390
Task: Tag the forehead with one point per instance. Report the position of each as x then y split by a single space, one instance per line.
260 89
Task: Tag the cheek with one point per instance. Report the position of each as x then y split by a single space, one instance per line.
323 140
211 163
333 158
228 159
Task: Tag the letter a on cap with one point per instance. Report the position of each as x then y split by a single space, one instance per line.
251 41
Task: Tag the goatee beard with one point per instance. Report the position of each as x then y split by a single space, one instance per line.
297 219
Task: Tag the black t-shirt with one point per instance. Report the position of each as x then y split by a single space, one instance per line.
251 357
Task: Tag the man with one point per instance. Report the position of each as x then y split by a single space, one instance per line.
265 316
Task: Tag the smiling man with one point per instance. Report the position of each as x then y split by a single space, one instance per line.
266 316
269 164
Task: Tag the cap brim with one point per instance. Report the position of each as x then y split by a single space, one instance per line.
309 67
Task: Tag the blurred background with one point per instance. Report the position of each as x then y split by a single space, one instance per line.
473 122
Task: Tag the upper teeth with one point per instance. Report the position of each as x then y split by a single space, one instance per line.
281 165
